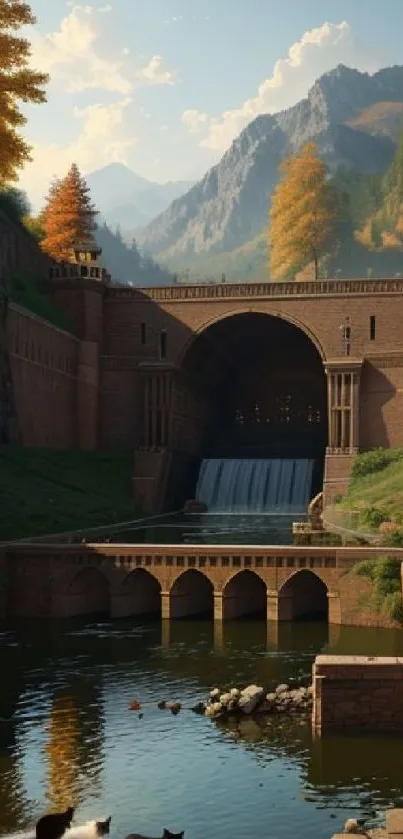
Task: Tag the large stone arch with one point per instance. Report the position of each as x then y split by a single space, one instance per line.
244 594
238 396
248 310
138 594
303 596
87 594
191 594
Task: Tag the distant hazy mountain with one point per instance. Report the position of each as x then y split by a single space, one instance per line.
125 199
127 265
355 119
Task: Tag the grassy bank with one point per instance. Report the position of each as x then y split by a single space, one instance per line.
375 493
373 503
48 491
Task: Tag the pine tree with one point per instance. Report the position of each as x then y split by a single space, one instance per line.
302 216
68 217
18 83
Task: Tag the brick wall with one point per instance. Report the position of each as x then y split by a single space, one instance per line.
357 692
44 366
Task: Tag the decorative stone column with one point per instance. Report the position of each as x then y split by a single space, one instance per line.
343 387
157 404
343 379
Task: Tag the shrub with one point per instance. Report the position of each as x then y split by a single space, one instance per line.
395 539
373 516
373 461
385 574
25 292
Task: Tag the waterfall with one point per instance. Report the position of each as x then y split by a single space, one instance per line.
255 486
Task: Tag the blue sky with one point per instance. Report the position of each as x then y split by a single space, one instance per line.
165 85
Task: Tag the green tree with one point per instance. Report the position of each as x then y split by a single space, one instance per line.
18 83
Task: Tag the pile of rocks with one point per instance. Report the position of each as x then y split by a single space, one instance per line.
255 700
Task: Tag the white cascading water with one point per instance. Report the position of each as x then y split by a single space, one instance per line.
255 486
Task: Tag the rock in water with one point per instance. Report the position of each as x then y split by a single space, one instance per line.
215 693
250 699
214 709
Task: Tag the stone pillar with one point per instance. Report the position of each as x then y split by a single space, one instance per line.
272 606
334 607
165 605
218 606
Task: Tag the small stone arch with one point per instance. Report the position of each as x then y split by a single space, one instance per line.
245 594
191 594
304 596
138 594
88 594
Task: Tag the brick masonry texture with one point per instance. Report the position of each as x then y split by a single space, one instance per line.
358 692
88 390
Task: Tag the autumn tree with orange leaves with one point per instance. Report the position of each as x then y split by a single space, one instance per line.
303 215
68 217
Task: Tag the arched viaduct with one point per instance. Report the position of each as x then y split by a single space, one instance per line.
181 581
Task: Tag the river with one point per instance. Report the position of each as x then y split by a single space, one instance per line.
67 735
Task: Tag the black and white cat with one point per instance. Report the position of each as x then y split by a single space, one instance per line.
58 825
165 835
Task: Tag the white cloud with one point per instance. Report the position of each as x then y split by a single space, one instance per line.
102 139
318 51
74 58
71 58
153 73
195 121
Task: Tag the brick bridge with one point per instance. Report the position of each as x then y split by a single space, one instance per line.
279 583
290 369
180 373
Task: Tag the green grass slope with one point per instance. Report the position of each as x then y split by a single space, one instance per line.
47 491
375 492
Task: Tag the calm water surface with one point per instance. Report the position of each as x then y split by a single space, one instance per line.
67 736
214 529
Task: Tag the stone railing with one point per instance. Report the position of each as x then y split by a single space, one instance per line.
202 556
219 291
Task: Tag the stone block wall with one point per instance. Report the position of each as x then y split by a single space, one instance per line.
44 365
359 692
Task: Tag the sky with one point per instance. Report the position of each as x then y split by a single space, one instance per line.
165 86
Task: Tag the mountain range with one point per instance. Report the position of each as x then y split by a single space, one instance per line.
355 119
128 201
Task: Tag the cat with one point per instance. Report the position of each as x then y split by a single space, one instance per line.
54 825
165 835
90 830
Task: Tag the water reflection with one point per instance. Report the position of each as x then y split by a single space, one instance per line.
66 735
213 529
